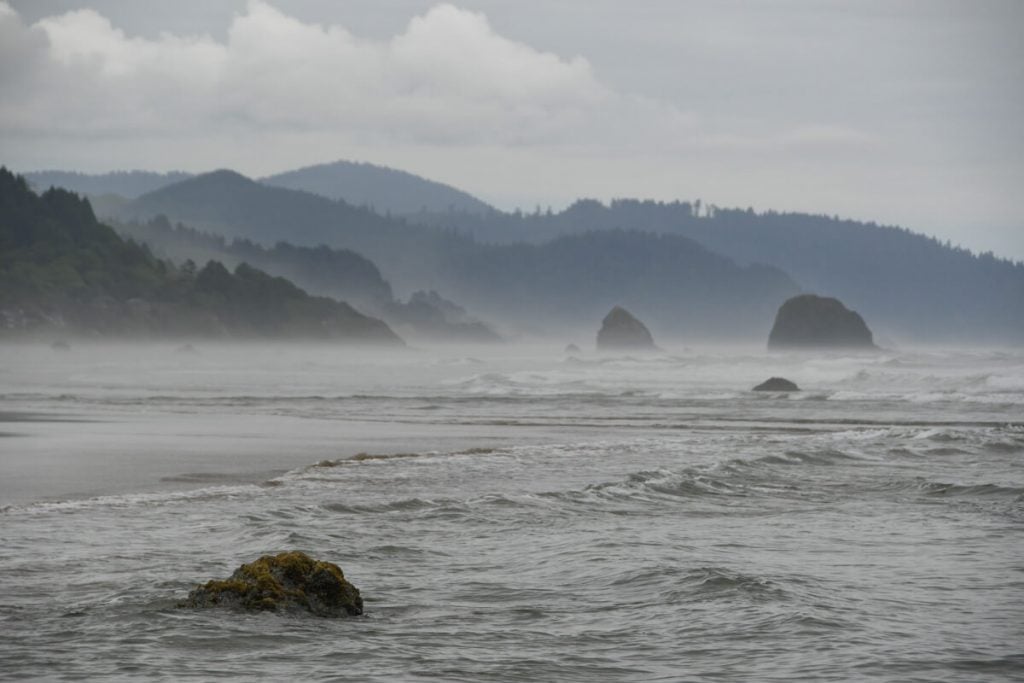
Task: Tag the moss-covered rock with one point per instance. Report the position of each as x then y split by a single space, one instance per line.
291 581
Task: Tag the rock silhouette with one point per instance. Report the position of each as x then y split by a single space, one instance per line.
776 384
810 321
620 331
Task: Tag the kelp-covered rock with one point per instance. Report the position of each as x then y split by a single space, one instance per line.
810 321
291 581
777 384
621 331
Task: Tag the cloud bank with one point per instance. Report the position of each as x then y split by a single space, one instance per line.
449 78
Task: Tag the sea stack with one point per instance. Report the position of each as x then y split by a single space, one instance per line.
776 384
810 321
621 331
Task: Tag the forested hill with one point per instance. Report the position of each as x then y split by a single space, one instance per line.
338 273
911 285
229 204
63 272
385 190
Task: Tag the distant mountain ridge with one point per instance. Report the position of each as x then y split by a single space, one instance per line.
382 189
128 184
385 190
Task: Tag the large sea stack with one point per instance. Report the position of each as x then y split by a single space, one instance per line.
620 331
810 321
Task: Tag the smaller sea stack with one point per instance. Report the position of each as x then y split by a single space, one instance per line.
776 384
621 331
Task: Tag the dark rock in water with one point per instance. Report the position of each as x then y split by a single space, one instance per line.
60 345
777 384
621 331
187 349
290 581
809 321
572 348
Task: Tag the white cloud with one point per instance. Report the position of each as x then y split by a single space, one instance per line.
453 53
85 38
448 78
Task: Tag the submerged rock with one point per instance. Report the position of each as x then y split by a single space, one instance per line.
777 384
572 348
809 321
621 331
290 581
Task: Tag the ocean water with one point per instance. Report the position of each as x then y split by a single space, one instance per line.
513 513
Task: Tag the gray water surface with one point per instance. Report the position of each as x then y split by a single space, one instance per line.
516 515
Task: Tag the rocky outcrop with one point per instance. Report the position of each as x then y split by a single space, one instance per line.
286 582
620 331
810 321
776 384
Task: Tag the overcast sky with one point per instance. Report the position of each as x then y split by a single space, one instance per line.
901 112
